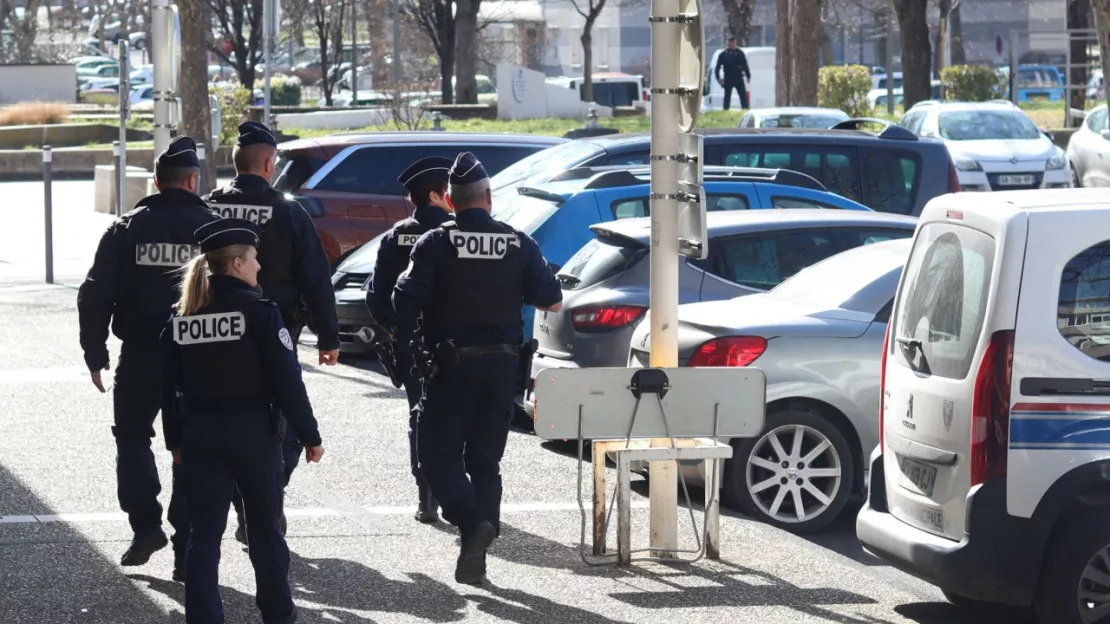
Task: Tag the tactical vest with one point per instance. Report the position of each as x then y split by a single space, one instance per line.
405 234
218 357
481 284
275 246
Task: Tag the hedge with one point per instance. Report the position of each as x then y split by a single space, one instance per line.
845 87
972 83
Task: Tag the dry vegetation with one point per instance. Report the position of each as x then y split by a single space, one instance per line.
34 114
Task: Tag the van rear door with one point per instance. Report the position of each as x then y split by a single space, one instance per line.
947 339
1061 354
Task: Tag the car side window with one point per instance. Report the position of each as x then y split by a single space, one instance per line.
893 177
780 201
1083 312
630 208
631 158
718 203
840 173
1097 121
762 262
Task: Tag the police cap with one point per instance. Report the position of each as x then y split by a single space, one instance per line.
467 170
425 172
732 38
252 132
181 152
224 232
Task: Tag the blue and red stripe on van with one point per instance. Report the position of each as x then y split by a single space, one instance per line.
1058 426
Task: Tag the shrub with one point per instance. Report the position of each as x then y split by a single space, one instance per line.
972 83
34 114
235 103
845 87
285 90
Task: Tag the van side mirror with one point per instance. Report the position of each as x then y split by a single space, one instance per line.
1048 133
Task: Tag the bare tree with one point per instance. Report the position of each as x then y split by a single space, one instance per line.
23 30
945 7
1079 18
784 40
328 17
195 114
740 18
916 50
959 54
590 10
798 29
437 20
240 24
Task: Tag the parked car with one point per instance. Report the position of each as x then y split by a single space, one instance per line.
558 215
889 171
990 473
610 89
1089 150
818 339
792 117
994 145
348 182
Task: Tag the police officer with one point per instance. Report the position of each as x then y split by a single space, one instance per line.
133 284
469 278
229 360
295 268
735 64
426 183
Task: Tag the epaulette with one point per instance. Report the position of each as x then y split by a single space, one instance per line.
449 225
269 302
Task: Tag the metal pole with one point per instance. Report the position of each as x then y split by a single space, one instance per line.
354 54
1013 66
396 42
124 114
161 50
119 176
267 36
203 170
47 179
663 476
890 63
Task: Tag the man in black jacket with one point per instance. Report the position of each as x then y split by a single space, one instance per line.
735 64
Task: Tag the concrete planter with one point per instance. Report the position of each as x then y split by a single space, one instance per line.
64 135
76 162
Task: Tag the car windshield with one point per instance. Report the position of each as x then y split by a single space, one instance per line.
834 282
801 121
544 164
978 125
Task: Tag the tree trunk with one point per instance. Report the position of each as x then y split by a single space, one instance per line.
783 40
740 18
195 116
587 62
466 25
1079 18
943 28
916 51
805 51
959 55
447 63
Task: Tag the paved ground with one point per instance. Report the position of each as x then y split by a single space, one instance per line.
357 554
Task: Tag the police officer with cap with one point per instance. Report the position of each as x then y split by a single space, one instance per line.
735 65
132 286
229 361
468 278
295 269
426 183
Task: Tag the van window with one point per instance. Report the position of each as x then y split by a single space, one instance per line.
836 167
892 180
639 207
944 299
1097 121
1083 315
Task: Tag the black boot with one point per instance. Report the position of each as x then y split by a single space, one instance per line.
241 530
143 546
427 510
179 567
470 568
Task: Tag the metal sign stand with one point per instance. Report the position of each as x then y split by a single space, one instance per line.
166 53
124 115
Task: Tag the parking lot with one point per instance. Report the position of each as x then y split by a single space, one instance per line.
357 554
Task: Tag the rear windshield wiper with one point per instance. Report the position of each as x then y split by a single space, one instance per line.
909 346
569 281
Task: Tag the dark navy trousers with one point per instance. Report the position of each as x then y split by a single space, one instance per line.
414 387
137 399
462 426
219 451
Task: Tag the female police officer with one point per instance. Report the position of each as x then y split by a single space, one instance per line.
230 365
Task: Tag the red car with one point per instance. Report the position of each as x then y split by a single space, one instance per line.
348 182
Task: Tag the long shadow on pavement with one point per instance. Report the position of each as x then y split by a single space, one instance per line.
51 573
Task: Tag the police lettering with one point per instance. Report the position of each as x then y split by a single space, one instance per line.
205 328
483 245
258 215
165 254
407 240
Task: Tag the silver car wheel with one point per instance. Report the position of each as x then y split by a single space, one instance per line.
1094 588
793 473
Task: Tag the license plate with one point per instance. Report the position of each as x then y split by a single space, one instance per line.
1015 180
928 518
918 477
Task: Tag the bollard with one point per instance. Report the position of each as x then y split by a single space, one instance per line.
47 177
591 118
436 121
117 160
203 170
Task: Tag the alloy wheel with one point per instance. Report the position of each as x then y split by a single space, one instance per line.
1094 588
793 473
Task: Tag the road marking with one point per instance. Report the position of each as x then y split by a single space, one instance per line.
310 512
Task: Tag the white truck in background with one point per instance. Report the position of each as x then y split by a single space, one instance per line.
761 88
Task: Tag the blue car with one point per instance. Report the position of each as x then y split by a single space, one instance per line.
558 214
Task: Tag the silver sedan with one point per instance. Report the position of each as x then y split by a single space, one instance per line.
818 338
1089 150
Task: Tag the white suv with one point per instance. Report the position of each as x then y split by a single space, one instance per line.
992 475
994 145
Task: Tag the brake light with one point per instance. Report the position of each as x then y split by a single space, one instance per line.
647 95
882 390
605 317
990 410
730 351
953 178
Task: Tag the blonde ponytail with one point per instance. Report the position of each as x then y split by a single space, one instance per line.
194 287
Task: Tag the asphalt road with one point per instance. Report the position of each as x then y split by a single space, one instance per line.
357 554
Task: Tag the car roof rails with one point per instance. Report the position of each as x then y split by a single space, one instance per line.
630 176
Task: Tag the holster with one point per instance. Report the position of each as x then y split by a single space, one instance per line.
277 422
179 403
424 360
387 356
524 365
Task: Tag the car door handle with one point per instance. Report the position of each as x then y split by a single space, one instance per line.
1054 386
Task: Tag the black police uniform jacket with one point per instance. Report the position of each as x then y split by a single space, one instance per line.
469 279
294 265
735 64
393 258
134 280
234 353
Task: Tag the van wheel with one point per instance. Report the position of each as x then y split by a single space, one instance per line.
796 476
1075 582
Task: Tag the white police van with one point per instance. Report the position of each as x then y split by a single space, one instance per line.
992 476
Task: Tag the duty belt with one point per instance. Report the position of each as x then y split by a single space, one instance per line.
491 349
